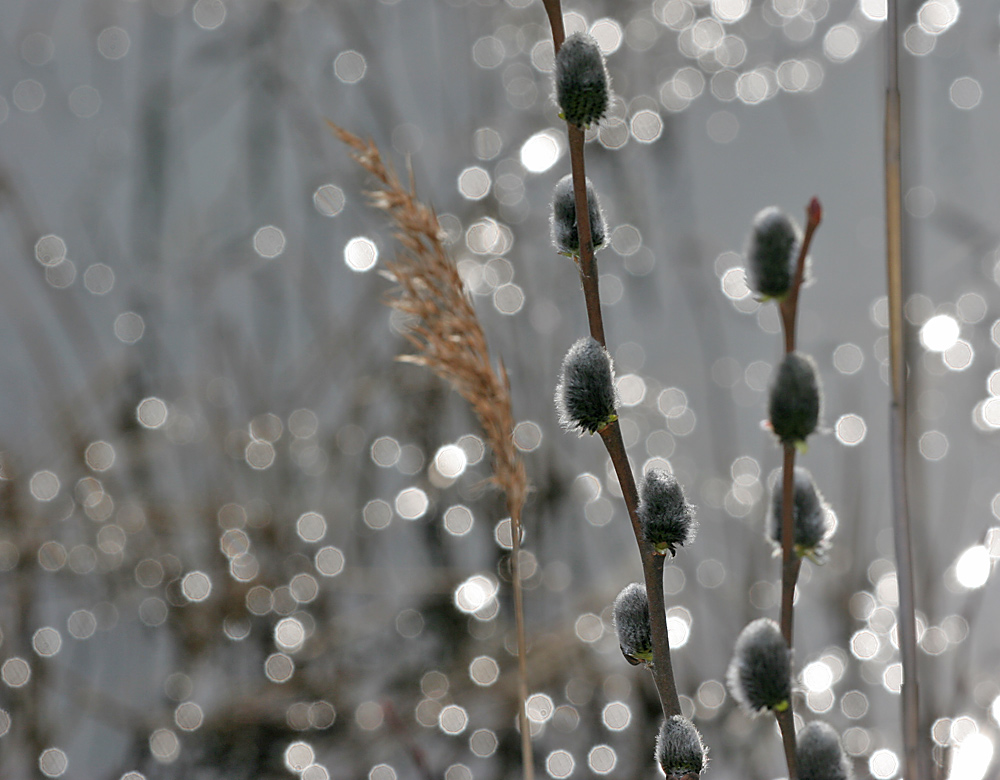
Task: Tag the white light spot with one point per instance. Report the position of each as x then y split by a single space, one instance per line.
458 520
608 34
44 485
474 183
848 358
559 764
129 327
475 593
539 707
53 762
450 461
959 355
678 626
616 716
196 586
411 503
873 9
972 569
851 430
936 16
350 67
973 758
329 200
817 676
298 756
311 526
360 254
602 759
646 126
939 333
965 93
933 445
151 412
209 14
289 634
841 42
113 43
883 764
729 11
269 242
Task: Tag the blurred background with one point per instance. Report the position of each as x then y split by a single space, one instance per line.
238 540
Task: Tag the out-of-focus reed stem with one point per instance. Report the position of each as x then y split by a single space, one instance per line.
912 764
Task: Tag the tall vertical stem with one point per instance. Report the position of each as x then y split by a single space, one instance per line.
897 361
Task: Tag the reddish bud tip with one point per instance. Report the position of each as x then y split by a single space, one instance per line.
814 212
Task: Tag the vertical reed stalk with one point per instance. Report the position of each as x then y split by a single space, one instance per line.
912 767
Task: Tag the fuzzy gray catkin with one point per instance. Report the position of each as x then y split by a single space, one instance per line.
819 755
565 233
582 84
679 749
585 395
666 518
772 252
631 618
812 518
795 400
760 674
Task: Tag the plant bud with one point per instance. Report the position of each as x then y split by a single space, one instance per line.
812 517
667 520
794 405
819 755
631 619
581 80
679 749
585 396
772 253
759 675
565 234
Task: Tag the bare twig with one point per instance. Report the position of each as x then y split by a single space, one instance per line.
449 340
652 564
791 563
912 763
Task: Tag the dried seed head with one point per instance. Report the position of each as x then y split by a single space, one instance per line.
819 754
631 619
794 405
565 234
679 749
585 396
581 80
772 252
667 520
812 517
759 675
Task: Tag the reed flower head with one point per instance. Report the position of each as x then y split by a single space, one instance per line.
772 252
585 396
795 399
667 519
582 89
819 755
631 619
812 517
565 233
760 674
679 749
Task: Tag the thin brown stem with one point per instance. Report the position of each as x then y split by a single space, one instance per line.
588 264
786 723
912 759
790 561
527 757
652 569
652 564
